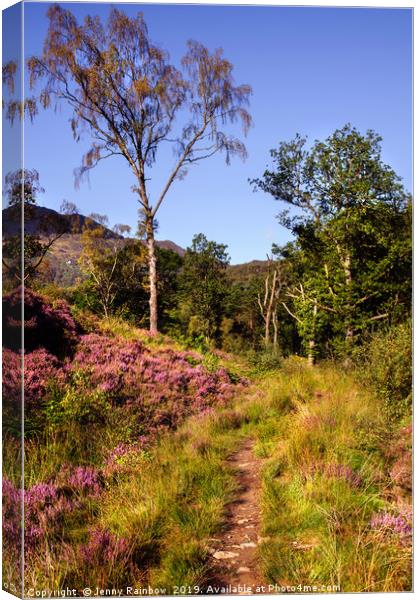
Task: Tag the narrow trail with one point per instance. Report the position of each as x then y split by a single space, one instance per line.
234 551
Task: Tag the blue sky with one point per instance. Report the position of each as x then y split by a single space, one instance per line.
311 69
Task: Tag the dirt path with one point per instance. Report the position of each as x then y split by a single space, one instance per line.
234 551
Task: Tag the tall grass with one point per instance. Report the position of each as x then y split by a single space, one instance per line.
329 500
162 504
108 506
332 512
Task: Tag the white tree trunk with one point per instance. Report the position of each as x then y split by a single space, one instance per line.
275 324
312 342
152 271
310 354
347 267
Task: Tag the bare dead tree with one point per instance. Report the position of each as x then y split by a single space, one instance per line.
268 305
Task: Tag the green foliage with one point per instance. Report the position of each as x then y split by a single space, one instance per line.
264 361
342 173
242 324
115 271
385 363
117 278
211 362
203 288
352 255
78 404
84 297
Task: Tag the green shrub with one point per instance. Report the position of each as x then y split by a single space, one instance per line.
211 362
77 403
264 361
385 363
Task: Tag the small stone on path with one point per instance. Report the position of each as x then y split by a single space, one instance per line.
221 555
248 545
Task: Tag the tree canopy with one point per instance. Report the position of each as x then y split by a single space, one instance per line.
350 215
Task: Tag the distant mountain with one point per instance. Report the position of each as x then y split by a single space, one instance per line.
63 257
45 221
168 245
62 260
244 272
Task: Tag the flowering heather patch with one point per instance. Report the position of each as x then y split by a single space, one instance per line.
44 511
48 326
336 471
80 481
401 472
399 455
124 455
104 559
162 384
11 515
12 377
134 393
85 480
399 524
40 367
102 548
47 506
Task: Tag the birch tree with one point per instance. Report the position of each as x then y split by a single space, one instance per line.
129 98
305 313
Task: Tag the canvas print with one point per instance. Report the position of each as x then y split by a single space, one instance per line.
207 297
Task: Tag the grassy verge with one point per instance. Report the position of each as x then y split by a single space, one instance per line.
158 509
332 512
104 508
171 505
